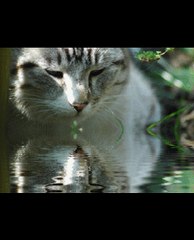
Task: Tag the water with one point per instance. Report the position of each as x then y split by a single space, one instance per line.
111 161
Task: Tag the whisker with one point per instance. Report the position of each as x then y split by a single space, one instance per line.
109 115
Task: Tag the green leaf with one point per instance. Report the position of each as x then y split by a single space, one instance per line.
149 56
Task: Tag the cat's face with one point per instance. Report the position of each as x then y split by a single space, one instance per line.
49 84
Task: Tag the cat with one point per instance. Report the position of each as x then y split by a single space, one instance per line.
52 85
77 120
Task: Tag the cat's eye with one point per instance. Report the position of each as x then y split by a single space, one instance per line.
56 74
119 62
96 73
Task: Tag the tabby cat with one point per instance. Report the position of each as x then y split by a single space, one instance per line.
103 92
52 85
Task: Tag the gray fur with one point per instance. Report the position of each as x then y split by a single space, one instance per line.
114 149
40 96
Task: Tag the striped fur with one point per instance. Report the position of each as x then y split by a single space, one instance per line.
110 151
54 84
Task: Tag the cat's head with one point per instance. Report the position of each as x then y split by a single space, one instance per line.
50 84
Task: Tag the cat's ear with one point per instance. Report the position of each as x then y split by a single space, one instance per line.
15 54
127 56
126 52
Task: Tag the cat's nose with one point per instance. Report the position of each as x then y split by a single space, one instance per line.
79 106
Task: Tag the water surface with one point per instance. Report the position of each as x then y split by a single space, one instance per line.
87 160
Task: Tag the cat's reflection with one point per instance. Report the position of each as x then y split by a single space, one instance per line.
83 165
77 174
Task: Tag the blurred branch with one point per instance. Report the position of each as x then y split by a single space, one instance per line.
4 77
4 82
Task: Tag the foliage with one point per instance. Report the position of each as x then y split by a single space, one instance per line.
148 56
174 70
172 74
